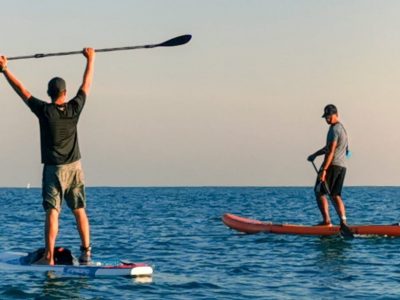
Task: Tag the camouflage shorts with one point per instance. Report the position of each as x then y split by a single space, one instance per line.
63 182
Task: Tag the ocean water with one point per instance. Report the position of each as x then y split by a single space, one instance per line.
179 232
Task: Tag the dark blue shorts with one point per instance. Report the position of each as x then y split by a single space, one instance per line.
334 182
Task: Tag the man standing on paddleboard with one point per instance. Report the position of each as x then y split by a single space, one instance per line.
62 172
333 169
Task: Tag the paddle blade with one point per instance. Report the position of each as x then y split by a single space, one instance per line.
346 232
177 41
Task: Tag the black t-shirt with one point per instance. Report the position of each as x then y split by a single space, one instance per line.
58 129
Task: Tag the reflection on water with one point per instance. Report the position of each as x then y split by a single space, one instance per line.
333 256
332 248
55 287
142 279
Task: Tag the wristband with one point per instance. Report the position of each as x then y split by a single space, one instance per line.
3 69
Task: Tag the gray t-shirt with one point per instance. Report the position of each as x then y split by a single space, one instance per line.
338 134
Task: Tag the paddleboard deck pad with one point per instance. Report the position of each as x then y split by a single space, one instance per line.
22 262
247 225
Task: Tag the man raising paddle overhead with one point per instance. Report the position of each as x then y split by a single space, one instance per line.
333 169
62 172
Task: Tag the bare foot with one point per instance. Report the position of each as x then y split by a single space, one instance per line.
44 261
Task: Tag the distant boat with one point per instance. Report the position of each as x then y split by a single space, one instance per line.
28 186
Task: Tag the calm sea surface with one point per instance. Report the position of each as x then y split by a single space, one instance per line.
179 231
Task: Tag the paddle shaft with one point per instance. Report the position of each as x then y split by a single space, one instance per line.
177 41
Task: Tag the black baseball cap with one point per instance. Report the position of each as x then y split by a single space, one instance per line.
56 85
330 109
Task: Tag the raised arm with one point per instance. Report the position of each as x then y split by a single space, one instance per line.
89 53
13 81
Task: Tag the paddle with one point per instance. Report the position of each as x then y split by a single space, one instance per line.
345 231
176 41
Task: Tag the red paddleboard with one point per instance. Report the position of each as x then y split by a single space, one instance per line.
246 225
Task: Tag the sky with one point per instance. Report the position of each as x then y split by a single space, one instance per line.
240 105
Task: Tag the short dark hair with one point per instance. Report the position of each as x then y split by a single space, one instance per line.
55 87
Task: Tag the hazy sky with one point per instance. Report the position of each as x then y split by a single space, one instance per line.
241 104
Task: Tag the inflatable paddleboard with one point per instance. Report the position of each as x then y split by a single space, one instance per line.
246 225
16 262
